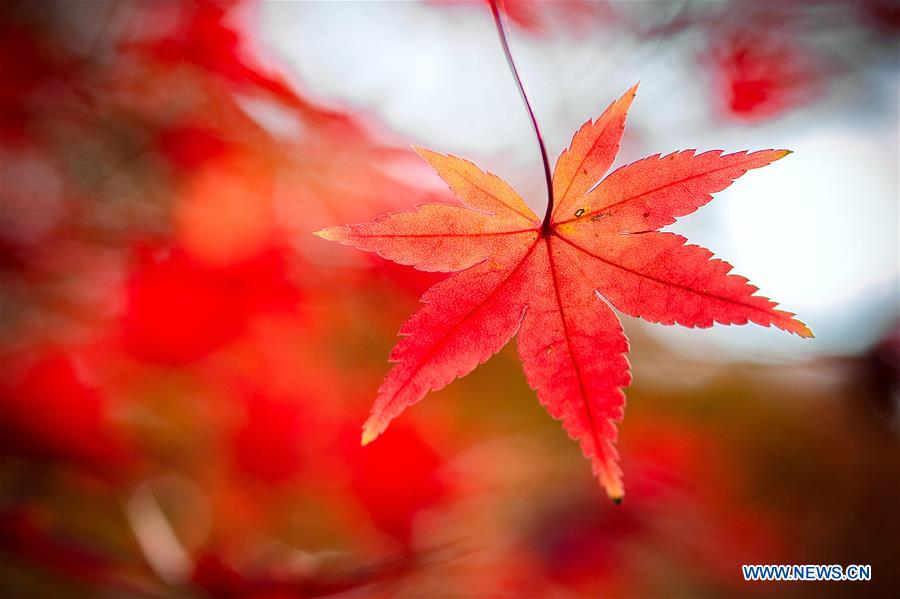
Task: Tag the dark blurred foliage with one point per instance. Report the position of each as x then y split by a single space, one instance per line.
185 367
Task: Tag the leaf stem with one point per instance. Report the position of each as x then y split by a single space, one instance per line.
501 32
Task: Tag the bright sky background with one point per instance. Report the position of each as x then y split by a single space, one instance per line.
817 231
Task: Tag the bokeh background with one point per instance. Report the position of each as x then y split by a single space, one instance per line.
184 367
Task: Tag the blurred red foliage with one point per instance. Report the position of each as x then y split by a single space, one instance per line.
26 64
188 147
53 412
267 445
178 309
761 76
205 38
397 479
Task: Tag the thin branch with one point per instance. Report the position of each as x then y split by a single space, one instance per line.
501 31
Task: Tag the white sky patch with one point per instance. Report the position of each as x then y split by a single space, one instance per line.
835 200
275 119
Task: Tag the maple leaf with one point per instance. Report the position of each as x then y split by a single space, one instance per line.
554 283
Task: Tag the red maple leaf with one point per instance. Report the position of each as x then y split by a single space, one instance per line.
554 283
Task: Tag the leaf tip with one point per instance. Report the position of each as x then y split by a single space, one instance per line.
367 437
782 153
612 484
798 327
424 153
328 234
370 433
